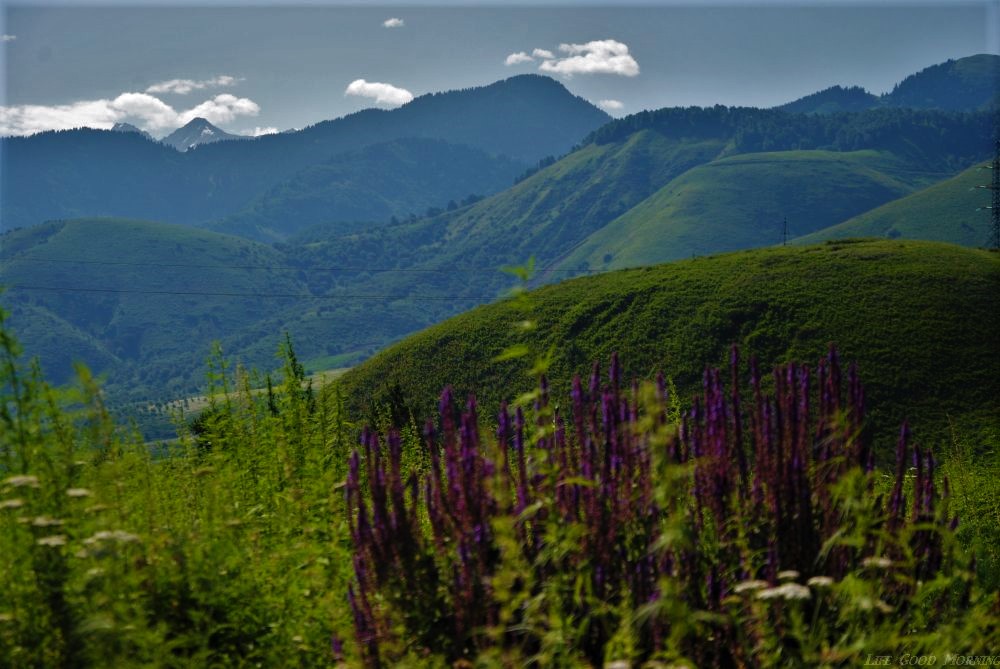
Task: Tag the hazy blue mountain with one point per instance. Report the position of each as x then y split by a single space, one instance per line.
195 132
966 84
374 184
82 172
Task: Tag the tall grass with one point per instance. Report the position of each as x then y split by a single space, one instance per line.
611 527
230 551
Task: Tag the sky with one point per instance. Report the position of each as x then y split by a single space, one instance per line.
266 67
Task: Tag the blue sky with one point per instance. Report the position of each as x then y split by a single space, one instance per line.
265 67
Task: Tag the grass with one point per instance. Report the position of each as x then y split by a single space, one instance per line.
919 317
741 202
945 212
130 255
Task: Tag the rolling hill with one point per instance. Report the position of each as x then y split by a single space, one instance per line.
136 295
945 211
920 318
742 202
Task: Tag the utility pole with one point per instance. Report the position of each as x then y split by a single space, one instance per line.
994 206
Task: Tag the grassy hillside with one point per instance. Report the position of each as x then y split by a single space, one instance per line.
920 318
740 202
545 214
150 281
945 212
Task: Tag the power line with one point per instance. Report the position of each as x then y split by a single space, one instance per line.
411 270
298 296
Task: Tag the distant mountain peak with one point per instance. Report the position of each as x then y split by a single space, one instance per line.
128 127
197 131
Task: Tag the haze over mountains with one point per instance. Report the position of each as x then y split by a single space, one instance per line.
355 232
967 84
94 173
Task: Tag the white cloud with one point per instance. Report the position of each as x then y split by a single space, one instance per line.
543 53
518 58
259 131
142 109
220 109
383 94
185 86
598 57
393 23
8 38
155 114
611 105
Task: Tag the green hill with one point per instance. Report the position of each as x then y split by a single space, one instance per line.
740 202
943 212
919 317
150 295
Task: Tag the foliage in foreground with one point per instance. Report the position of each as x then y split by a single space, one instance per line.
227 551
750 535
233 548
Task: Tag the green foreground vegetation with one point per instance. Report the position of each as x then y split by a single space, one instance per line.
238 547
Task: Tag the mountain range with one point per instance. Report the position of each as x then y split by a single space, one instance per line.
85 172
352 233
971 83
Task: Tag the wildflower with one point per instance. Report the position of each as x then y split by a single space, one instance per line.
13 503
45 521
747 586
877 562
788 575
785 591
78 492
820 581
867 604
22 481
53 541
119 536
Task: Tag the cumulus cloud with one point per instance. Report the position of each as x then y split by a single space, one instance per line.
221 109
393 23
142 109
611 105
383 94
518 58
8 38
543 53
185 86
597 57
